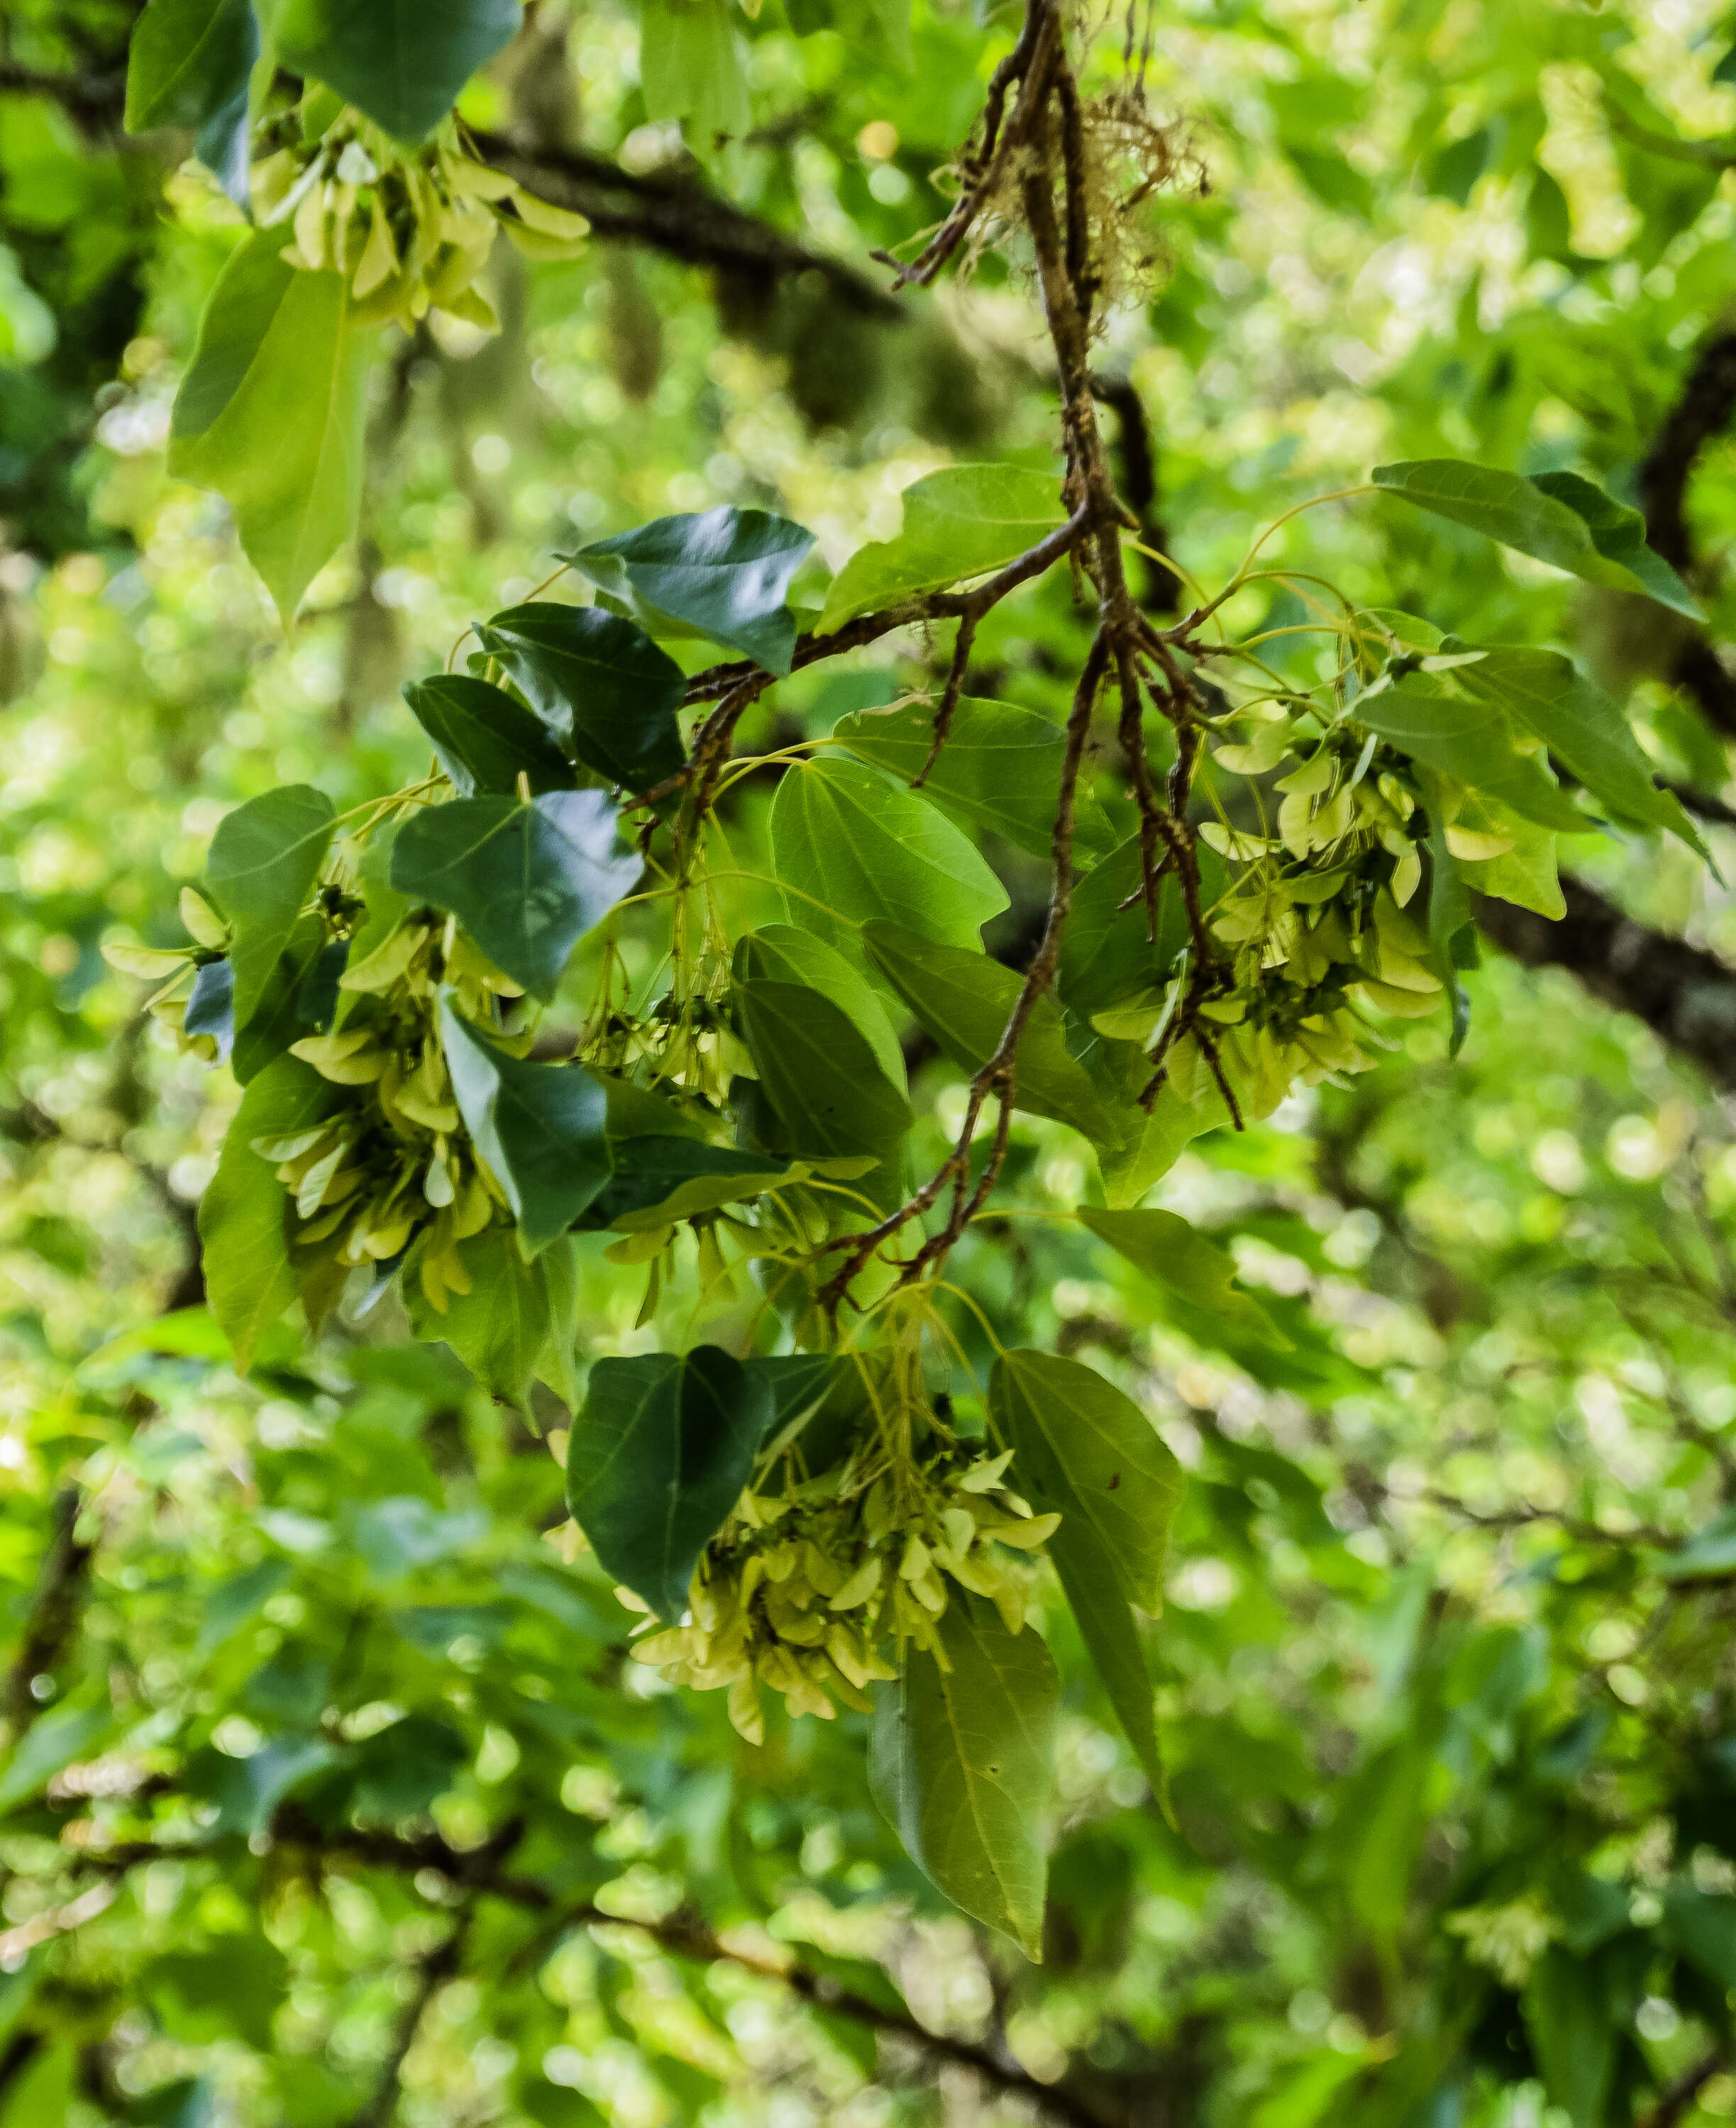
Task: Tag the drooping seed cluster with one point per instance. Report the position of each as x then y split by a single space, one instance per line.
816 1590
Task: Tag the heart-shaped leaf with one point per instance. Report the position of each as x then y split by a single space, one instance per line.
958 523
598 682
404 62
657 1456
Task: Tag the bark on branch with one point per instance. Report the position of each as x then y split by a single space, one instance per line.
1703 411
676 213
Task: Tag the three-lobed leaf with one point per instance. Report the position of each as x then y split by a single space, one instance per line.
272 411
483 739
599 683
658 1455
1000 771
526 881
961 522
851 846
264 861
541 1128
960 1764
724 573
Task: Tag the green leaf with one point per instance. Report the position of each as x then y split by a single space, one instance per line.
265 860
539 1126
1179 1257
1472 742
961 522
1619 533
822 1080
404 62
1153 1141
1076 1438
799 1382
525 881
960 1765
517 1324
780 953
243 1229
691 67
1584 729
965 1001
188 65
272 411
852 846
657 1180
1083 1450
657 1456
1568 2018
483 739
599 683
1000 770
300 998
724 573
1559 518
1107 954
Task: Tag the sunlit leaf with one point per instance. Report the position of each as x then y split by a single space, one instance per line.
958 523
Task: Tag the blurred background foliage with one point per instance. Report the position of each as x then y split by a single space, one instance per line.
329 1796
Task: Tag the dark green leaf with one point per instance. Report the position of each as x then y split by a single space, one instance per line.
724 573
265 860
660 1180
960 1765
249 1281
598 682
525 881
210 1007
483 739
404 62
965 1001
539 1126
657 1456
1178 1257
1107 953
852 846
780 953
1572 2033
822 1080
799 1382
272 411
300 999
1000 771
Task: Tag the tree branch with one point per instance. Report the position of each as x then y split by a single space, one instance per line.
676 213
1685 995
